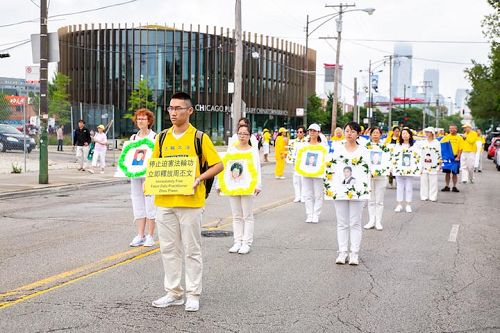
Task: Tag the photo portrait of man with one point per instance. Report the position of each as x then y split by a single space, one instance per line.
376 157
139 156
428 158
406 159
348 178
311 159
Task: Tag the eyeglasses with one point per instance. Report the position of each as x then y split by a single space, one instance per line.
142 119
300 131
176 108
243 134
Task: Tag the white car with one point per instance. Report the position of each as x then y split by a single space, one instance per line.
496 158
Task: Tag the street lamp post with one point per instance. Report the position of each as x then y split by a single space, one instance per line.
340 12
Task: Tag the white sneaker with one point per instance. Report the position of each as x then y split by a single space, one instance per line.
408 209
296 200
235 248
282 177
315 219
90 170
102 172
192 305
149 241
137 241
245 248
353 259
369 225
398 208
342 258
309 219
167 301
378 226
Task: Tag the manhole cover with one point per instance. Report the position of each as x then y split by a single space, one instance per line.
216 233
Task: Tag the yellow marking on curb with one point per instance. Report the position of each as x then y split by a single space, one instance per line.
4 305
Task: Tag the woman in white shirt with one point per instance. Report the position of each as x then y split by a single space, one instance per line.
100 148
242 205
404 149
430 157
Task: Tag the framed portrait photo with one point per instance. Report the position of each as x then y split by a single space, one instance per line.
134 158
347 178
310 161
239 176
406 162
430 159
380 160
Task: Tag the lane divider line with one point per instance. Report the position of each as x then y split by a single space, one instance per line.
453 233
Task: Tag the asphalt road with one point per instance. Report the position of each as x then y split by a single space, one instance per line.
66 266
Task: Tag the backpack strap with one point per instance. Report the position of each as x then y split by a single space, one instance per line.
198 143
162 134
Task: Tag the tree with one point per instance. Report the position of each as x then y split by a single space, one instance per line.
58 99
316 113
484 99
142 97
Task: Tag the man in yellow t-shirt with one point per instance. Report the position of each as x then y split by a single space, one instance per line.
178 217
456 142
469 150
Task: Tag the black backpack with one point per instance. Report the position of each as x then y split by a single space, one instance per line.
198 143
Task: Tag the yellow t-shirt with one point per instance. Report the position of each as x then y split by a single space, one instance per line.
266 137
336 138
279 146
185 146
470 142
456 142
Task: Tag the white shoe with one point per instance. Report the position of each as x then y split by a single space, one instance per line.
309 219
282 177
342 258
167 301
398 208
102 172
149 241
245 248
235 248
192 305
90 170
378 226
408 209
353 259
137 241
369 225
315 219
296 200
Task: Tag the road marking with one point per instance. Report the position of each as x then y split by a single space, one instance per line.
40 287
9 303
453 233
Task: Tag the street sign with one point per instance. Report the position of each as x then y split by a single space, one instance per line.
32 74
299 112
53 47
16 100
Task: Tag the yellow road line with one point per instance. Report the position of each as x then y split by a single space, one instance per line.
6 304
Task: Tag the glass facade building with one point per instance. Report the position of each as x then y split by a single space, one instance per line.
107 62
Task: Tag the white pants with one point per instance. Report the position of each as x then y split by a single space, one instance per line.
143 205
478 162
297 186
349 213
265 146
101 156
428 186
376 202
313 196
82 155
179 232
243 222
404 190
467 166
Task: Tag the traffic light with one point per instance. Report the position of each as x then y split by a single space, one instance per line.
4 55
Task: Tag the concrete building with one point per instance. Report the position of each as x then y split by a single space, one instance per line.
431 77
461 96
402 70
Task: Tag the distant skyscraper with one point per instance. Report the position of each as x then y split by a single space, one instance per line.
461 96
330 79
401 70
431 76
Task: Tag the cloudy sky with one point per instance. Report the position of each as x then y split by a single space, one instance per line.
364 37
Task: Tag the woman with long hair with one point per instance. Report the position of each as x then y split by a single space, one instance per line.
404 183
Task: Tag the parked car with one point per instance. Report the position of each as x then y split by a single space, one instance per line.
13 139
489 138
496 158
491 147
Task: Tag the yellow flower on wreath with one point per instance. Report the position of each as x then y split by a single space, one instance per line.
329 176
349 195
329 193
355 161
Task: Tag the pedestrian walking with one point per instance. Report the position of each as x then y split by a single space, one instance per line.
143 205
478 162
179 217
242 205
60 138
405 152
100 147
82 140
280 153
294 146
313 186
430 157
469 150
349 210
266 143
457 143
378 180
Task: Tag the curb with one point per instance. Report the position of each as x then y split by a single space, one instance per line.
60 188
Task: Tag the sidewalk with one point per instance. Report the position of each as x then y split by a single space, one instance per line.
63 173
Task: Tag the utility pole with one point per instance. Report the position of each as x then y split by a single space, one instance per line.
306 73
355 112
369 109
389 125
43 175
341 10
437 112
238 65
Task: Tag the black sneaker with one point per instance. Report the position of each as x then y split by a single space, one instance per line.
446 189
454 189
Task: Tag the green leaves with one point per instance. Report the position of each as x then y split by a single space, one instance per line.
142 97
